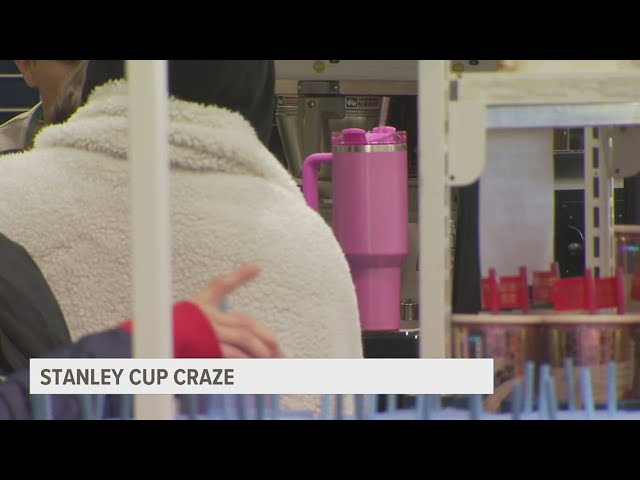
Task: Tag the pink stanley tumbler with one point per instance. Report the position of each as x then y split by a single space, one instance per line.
370 215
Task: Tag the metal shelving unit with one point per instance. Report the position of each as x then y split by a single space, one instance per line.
456 110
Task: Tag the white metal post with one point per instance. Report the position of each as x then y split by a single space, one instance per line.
149 157
435 254
598 203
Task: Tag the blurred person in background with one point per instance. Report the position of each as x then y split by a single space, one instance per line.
50 78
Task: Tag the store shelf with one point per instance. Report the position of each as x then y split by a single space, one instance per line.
563 116
549 89
563 100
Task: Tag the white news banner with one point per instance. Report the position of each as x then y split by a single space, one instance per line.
261 376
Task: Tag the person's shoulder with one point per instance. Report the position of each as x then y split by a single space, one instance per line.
13 132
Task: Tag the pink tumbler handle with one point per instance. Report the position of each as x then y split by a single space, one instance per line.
310 170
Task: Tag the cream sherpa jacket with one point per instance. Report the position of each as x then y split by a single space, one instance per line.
67 203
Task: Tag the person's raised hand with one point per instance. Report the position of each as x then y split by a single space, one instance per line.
240 336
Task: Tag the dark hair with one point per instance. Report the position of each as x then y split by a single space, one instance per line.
244 86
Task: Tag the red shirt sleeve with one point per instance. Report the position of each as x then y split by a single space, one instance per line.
193 334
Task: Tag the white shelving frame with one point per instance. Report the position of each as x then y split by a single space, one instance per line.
565 98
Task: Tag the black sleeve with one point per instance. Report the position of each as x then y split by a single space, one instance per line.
31 321
15 401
